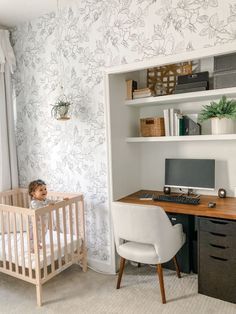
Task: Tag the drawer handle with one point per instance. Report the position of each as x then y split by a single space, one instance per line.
219 246
219 222
219 258
218 234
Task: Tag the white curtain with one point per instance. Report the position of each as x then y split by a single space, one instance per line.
8 159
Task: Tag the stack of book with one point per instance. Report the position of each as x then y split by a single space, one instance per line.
177 124
192 83
142 92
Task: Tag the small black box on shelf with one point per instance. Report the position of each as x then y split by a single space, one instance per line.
194 77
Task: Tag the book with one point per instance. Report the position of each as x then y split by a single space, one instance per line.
167 121
131 85
189 90
181 127
178 117
140 90
192 85
172 121
142 95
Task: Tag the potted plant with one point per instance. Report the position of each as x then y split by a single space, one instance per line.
61 109
221 114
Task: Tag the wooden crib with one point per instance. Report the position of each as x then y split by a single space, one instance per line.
63 237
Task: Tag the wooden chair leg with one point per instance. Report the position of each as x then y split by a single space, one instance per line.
161 281
122 265
177 267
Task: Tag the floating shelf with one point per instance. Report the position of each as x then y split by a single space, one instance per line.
182 138
181 98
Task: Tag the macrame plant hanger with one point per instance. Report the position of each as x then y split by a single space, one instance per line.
60 110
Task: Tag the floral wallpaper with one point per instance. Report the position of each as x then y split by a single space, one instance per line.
71 48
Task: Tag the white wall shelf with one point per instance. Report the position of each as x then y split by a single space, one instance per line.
181 98
191 138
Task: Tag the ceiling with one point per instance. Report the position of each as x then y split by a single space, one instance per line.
13 12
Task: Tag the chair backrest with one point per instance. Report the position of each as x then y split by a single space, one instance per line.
138 223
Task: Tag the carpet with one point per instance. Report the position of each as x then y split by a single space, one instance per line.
73 291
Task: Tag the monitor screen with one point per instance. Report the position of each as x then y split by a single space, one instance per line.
190 173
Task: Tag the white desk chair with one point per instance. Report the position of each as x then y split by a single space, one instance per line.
144 234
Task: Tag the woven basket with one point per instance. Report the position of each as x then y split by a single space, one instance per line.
152 127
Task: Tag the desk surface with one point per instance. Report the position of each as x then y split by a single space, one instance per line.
225 207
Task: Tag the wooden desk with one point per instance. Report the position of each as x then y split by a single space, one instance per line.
225 207
216 241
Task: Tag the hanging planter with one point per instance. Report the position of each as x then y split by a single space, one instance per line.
60 110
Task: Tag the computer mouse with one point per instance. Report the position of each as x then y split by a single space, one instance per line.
211 204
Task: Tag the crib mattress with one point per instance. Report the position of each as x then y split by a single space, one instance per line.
32 255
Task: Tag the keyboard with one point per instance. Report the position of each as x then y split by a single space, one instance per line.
181 199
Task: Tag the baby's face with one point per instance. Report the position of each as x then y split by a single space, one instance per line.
40 193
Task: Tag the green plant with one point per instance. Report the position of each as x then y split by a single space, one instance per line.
60 109
223 109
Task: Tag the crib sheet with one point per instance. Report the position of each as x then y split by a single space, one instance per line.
32 255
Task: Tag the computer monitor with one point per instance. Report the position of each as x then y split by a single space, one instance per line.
190 173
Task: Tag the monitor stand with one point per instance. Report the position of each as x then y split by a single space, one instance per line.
190 192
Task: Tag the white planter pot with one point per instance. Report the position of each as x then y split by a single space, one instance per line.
222 126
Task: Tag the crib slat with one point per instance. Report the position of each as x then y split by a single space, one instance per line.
3 240
58 237
37 259
21 201
51 242
22 245
71 231
64 232
15 243
77 227
14 199
29 245
9 240
44 246
24 199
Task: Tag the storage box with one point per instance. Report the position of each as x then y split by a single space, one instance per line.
224 79
195 77
152 127
225 62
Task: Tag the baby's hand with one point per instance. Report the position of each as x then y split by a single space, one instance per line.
66 199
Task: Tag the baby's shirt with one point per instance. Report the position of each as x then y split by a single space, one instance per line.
35 204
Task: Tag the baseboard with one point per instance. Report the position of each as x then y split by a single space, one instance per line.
101 267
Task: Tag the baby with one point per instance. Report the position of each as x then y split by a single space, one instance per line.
38 194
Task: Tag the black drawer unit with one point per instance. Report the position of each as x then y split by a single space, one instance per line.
185 256
217 258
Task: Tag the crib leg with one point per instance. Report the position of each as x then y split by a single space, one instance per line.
39 294
84 259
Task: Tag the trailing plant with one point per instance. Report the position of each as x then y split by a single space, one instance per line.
223 109
60 109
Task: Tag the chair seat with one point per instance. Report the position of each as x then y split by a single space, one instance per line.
139 252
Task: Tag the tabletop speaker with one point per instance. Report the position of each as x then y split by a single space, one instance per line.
222 193
166 190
